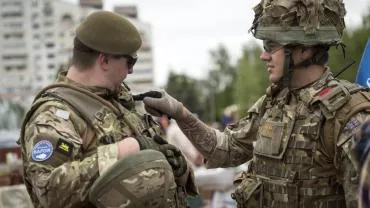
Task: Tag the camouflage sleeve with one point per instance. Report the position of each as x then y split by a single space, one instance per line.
347 162
56 169
232 147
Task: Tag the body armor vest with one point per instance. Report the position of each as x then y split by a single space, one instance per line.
294 162
110 121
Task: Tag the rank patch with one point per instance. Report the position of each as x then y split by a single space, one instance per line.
64 147
42 150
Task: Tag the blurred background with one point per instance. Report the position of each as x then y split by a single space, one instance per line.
199 51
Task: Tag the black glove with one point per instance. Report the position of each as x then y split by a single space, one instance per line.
153 94
174 156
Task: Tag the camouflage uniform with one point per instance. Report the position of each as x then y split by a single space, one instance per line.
80 152
299 141
296 160
69 136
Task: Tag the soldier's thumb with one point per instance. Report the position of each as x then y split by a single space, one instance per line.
151 102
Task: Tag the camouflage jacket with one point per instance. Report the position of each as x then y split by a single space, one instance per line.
299 143
63 153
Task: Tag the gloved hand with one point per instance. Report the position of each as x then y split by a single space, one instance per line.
163 105
173 154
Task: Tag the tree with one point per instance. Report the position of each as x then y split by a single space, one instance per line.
187 90
251 79
219 82
355 42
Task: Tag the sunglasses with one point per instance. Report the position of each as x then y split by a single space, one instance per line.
271 48
131 61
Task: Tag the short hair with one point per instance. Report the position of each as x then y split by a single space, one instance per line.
83 57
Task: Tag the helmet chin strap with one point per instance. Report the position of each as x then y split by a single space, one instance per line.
287 75
289 66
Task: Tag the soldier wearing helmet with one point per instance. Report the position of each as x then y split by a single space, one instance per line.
298 137
84 127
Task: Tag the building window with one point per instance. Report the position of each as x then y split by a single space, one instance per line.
36 46
50 45
48 24
9 57
51 66
8 68
35 15
48 10
143 71
16 35
38 78
49 34
21 67
12 14
35 26
144 81
51 55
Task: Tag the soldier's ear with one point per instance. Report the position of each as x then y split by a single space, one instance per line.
102 60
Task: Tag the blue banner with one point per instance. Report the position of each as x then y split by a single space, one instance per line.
363 73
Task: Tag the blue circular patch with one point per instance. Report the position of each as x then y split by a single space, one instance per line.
42 150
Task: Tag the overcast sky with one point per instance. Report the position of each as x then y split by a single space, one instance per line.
184 31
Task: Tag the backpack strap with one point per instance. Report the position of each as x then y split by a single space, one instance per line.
344 101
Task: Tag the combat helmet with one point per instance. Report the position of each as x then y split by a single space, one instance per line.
143 179
299 22
110 33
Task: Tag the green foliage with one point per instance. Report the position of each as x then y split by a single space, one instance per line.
187 90
251 80
244 82
355 42
220 82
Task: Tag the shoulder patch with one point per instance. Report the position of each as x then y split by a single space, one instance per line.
352 124
62 114
64 147
42 150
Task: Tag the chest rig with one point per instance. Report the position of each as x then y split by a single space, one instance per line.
293 158
110 120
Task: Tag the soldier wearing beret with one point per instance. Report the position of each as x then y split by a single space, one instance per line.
299 135
84 127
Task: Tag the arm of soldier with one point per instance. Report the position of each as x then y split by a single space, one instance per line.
346 160
56 168
232 147
221 149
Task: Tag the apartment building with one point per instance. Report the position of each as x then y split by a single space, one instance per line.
143 77
36 41
36 38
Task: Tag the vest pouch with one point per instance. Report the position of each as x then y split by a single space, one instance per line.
248 192
273 138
